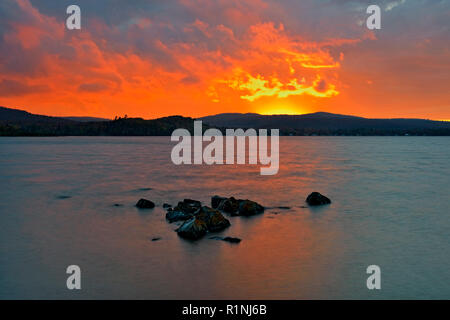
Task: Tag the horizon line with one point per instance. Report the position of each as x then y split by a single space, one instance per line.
223 113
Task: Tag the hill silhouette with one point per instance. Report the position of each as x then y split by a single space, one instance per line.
323 123
21 123
15 122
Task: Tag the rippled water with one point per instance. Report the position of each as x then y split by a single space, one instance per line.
390 208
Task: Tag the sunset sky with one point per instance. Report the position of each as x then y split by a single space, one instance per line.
153 58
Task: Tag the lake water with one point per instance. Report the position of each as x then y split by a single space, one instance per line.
390 208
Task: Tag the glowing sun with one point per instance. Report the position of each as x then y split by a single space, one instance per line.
280 109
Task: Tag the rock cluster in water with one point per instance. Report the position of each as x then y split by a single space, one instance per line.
198 220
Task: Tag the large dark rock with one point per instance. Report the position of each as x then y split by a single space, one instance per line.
184 210
239 207
192 229
145 204
249 208
174 215
214 220
216 200
230 205
317 199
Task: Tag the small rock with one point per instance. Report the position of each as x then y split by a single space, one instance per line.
166 205
192 229
145 204
317 199
216 200
249 208
231 239
156 239
118 205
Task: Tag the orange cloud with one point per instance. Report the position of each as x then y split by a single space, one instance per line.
259 87
153 77
243 60
274 64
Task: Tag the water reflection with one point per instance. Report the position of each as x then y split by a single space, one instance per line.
58 199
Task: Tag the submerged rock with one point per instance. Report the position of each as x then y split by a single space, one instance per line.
192 229
216 200
63 197
214 220
145 204
227 239
231 240
144 189
192 202
317 199
249 208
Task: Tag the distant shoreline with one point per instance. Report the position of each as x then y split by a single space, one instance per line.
19 123
168 136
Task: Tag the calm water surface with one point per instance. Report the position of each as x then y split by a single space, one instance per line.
390 208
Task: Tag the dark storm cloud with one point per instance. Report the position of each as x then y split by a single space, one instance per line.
170 22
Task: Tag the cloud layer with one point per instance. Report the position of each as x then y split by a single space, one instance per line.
197 57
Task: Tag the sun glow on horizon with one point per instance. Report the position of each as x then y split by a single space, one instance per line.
280 109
